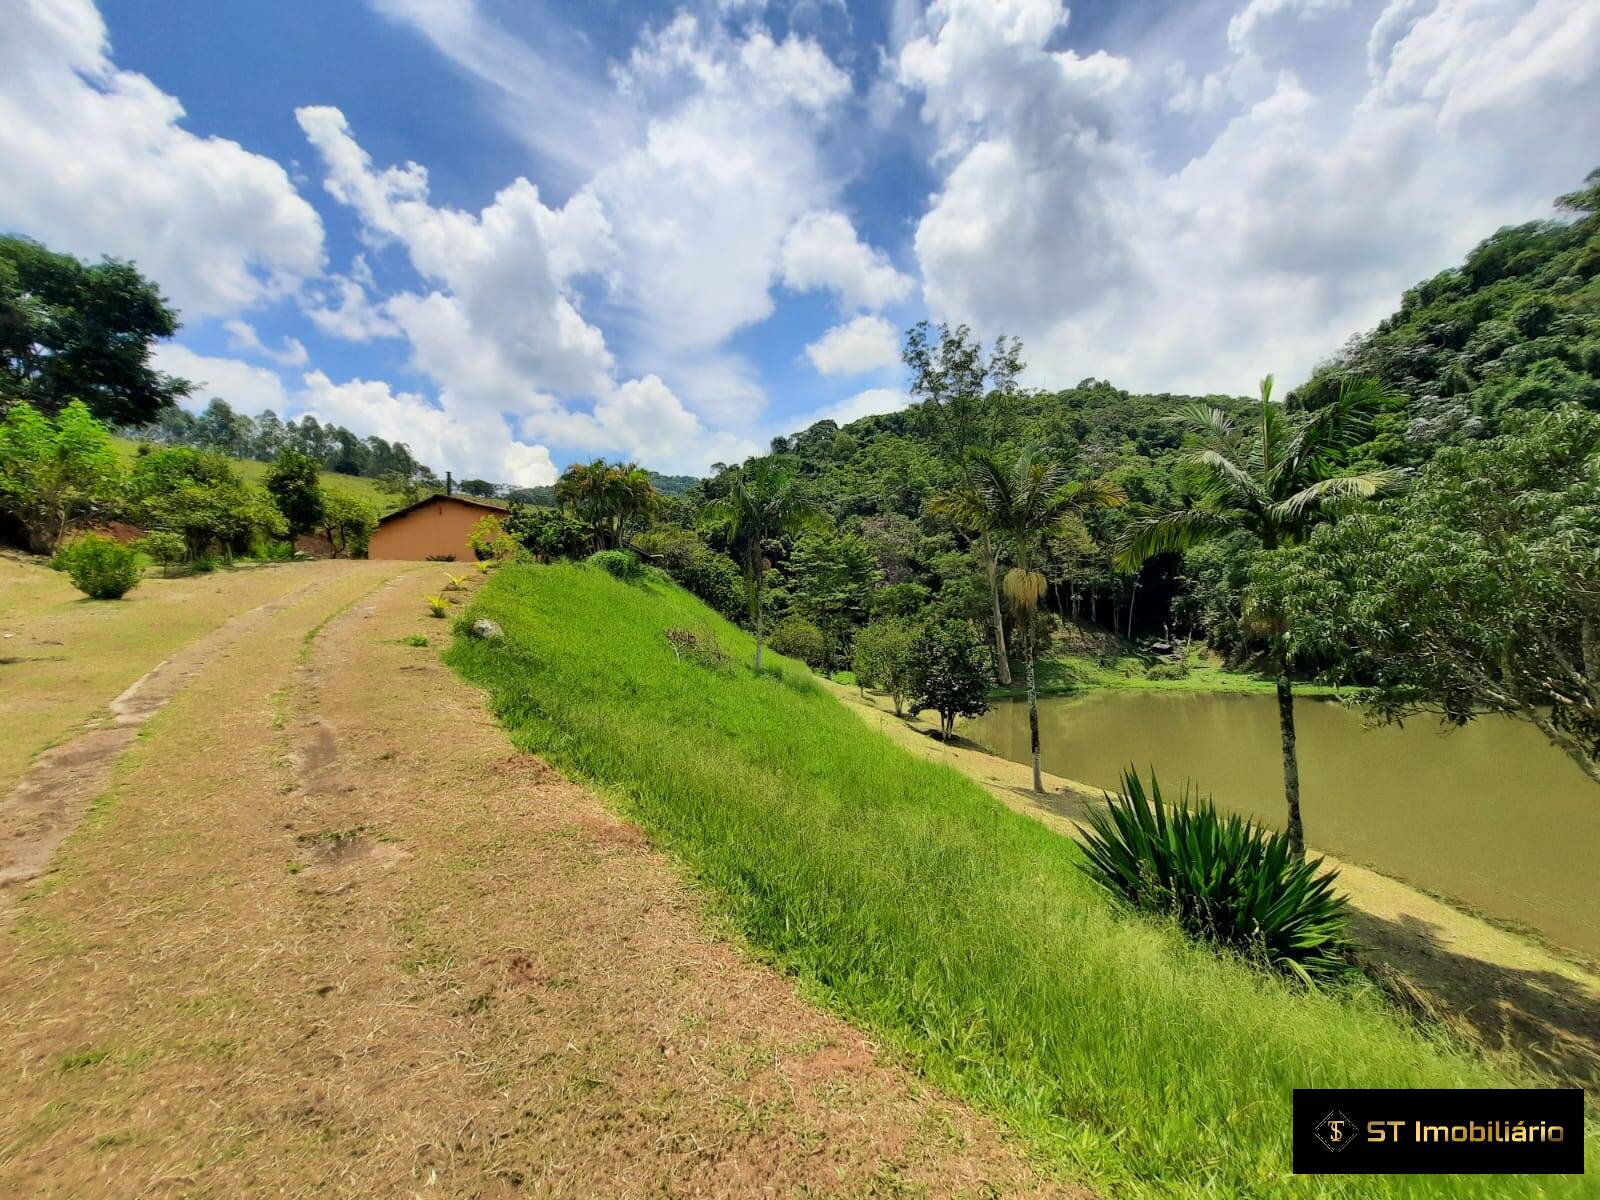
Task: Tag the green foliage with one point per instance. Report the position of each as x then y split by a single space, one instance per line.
952 674
164 548
489 539
54 473
619 564
606 497
694 565
438 606
831 579
801 639
885 658
1221 879
100 567
762 500
1480 591
960 934
1514 328
71 332
197 495
347 523
295 485
546 533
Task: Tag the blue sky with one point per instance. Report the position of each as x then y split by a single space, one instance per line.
515 234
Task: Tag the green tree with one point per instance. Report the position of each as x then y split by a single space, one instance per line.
70 331
198 495
476 487
295 484
54 473
1479 592
1021 504
885 658
699 569
764 500
347 523
952 384
833 575
952 675
1273 478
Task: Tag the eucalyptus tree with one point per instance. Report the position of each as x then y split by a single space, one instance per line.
764 500
965 409
1274 477
1022 503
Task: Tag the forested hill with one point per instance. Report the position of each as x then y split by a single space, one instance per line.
1516 326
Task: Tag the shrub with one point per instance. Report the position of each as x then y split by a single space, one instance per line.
164 548
952 674
489 540
799 638
546 533
885 658
1168 670
698 569
619 564
437 606
1222 879
101 568
694 647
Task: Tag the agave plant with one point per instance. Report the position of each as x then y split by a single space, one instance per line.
437 605
456 582
1222 879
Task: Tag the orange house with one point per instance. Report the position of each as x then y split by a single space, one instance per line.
434 528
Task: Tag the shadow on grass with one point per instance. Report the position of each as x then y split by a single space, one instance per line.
1549 1019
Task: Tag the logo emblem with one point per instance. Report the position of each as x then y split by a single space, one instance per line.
1336 1131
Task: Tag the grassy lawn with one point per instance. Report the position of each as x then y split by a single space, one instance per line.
1074 673
255 472
961 933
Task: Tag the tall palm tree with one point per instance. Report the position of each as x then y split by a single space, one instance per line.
1274 477
763 502
1021 504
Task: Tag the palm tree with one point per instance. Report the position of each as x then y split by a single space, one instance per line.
1274 477
763 502
1020 505
603 496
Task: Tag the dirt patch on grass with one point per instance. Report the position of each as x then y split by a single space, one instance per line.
331 938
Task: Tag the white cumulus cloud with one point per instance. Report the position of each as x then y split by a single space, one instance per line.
863 344
97 162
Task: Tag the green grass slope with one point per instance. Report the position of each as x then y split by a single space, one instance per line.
255 472
911 901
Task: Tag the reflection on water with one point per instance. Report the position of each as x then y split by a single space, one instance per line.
1490 814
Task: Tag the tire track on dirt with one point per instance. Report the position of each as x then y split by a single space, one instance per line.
50 798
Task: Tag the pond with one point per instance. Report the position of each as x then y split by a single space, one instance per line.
1490 815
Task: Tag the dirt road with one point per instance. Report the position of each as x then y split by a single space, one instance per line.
326 933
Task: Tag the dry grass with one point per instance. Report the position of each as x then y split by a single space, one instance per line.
63 657
329 935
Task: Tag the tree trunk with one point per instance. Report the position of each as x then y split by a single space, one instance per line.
1033 710
1291 762
1002 664
755 593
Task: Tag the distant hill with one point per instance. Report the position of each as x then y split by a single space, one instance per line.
1516 326
255 472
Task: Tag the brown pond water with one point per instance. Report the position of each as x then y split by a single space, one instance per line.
1490 815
